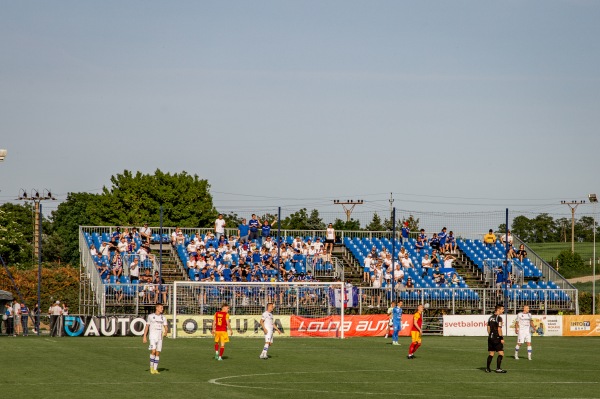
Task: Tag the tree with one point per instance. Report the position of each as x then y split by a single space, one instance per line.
375 224
349 225
79 209
301 220
544 228
136 199
16 234
413 223
521 227
584 229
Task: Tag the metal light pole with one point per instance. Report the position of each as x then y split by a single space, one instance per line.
37 199
594 200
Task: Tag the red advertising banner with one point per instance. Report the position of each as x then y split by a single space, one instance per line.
353 326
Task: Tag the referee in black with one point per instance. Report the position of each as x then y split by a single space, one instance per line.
495 339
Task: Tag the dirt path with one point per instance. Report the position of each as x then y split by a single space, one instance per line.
584 279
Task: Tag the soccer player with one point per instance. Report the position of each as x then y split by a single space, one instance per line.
397 322
266 322
495 339
390 322
416 332
523 328
156 329
220 327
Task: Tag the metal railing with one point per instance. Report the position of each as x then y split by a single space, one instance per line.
89 268
119 296
549 273
470 300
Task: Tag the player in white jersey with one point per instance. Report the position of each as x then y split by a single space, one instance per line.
523 328
267 324
156 329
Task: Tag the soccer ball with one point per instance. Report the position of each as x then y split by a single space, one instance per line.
426 306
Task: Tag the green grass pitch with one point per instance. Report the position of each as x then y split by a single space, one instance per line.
445 367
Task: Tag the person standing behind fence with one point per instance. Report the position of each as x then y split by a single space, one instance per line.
55 312
220 226
8 313
243 231
405 233
253 225
24 319
16 317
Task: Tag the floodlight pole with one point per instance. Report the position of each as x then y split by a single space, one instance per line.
573 205
394 252
594 200
37 199
348 210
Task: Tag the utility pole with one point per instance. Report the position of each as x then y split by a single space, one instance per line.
391 201
348 209
573 205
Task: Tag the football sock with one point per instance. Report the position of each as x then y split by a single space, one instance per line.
517 349
499 361
266 348
489 360
156 362
411 349
221 351
529 350
152 361
216 348
417 346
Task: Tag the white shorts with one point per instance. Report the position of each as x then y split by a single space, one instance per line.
523 337
155 343
269 337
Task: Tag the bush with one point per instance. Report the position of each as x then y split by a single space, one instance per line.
570 264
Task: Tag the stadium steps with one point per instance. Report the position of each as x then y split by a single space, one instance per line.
351 273
170 269
468 271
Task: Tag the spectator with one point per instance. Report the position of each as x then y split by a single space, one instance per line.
406 262
329 238
253 227
104 249
55 312
410 284
455 280
36 319
9 326
243 231
93 250
490 238
442 236
511 252
265 230
423 236
367 268
401 253
398 273
448 260
146 233
434 259
160 290
450 246
507 238
25 319
521 253
192 249
425 265
16 317
419 245
148 287
134 271
220 226
117 266
118 291
405 233
435 242
122 246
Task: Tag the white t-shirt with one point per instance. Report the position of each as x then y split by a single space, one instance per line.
398 274
330 233
524 321
220 226
134 271
268 320
155 324
448 263
406 262
191 247
426 263
146 230
122 246
318 245
56 310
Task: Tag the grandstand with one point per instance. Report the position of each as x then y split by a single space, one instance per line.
473 291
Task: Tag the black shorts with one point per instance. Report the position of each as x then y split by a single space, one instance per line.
495 345
329 241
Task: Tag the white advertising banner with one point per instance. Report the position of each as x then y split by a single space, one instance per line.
476 325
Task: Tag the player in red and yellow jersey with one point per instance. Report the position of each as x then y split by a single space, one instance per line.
416 332
220 327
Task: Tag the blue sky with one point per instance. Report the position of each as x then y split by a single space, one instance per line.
454 106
